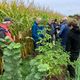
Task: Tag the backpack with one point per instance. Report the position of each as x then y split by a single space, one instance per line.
2 32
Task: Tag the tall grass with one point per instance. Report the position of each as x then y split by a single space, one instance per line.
23 18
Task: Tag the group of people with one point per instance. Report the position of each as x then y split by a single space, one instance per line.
68 32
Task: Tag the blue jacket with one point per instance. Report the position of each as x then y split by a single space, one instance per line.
35 30
64 30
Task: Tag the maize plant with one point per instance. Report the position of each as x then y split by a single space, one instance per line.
23 18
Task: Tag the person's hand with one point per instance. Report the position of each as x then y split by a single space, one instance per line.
58 31
7 43
14 38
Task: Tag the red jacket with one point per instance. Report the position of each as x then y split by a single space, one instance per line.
7 33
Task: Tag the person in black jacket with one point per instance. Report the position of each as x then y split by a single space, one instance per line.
73 45
53 25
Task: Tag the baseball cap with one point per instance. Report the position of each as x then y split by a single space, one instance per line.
7 19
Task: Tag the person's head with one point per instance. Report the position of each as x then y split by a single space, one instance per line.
55 20
38 20
50 21
64 19
7 21
72 24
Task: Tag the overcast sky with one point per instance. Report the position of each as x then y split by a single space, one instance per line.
66 7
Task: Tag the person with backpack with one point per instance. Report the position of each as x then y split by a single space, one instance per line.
64 30
73 45
4 31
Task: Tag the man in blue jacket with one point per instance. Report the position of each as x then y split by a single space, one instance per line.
64 30
35 29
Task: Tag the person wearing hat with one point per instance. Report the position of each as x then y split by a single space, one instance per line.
4 31
73 45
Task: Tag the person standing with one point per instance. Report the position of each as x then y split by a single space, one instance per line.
73 45
64 30
53 28
35 29
4 31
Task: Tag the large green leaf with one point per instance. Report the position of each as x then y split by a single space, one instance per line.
7 52
43 67
17 45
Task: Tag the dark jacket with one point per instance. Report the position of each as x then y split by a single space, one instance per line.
53 28
64 30
73 41
2 33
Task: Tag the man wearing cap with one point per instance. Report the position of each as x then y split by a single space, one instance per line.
4 31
